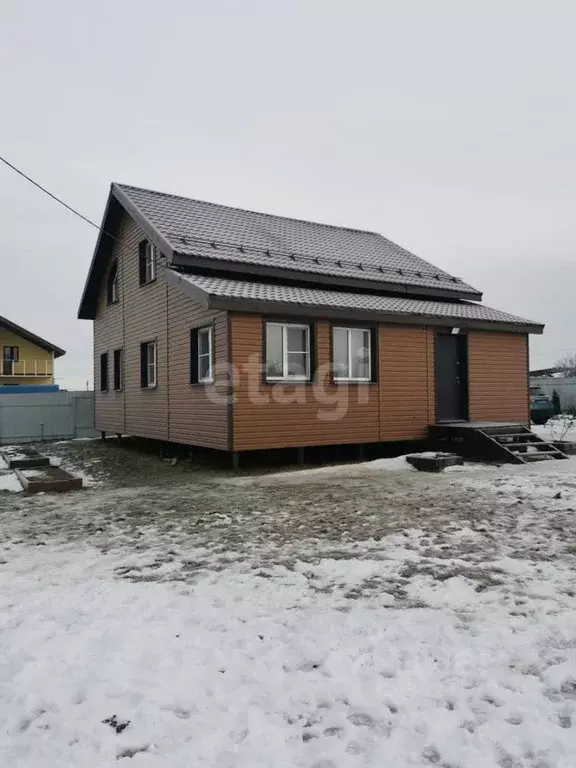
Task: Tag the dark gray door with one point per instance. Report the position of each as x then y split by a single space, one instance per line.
451 377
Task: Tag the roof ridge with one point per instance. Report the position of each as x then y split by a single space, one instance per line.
248 210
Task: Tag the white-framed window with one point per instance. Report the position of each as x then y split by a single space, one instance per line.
148 360
147 262
351 354
112 285
205 355
287 352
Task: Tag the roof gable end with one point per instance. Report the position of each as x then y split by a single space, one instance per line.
199 235
31 337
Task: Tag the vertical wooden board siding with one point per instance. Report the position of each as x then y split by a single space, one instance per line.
173 410
145 319
406 382
291 415
198 413
498 376
108 336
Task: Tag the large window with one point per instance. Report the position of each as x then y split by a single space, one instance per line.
118 366
148 364
112 284
201 355
104 372
147 262
287 352
351 354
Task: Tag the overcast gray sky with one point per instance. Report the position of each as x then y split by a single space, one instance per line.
447 126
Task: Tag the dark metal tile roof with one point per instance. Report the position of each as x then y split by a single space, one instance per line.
363 303
217 232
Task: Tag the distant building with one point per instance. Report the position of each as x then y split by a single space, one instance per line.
547 373
26 358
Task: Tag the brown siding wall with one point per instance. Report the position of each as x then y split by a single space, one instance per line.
174 410
198 413
400 406
108 336
406 382
286 415
498 376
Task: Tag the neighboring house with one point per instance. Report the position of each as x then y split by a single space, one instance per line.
220 327
26 359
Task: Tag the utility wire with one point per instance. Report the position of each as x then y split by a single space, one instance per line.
71 209
238 246
51 194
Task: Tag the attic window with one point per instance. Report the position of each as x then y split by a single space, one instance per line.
112 284
146 262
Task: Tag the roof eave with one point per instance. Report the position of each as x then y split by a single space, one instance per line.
219 265
287 308
87 307
149 229
189 289
38 340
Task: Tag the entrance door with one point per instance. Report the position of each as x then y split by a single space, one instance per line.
451 377
9 357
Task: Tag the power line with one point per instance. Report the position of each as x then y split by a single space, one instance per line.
239 246
70 208
51 194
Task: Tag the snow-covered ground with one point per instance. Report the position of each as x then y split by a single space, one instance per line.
558 428
356 619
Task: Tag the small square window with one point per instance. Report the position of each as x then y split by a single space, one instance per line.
352 355
287 352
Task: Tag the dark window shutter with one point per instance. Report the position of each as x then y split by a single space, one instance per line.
312 351
374 333
104 372
142 262
194 356
143 365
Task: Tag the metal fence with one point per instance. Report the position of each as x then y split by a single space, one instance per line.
32 417
565 387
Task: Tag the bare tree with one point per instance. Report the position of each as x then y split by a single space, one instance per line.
567 364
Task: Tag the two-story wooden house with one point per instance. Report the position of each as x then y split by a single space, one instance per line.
27 359
236 330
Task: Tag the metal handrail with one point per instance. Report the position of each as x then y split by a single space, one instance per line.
16 368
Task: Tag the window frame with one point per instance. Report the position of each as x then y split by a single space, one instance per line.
145 380
210 378
112 286
7 363
104 372
372 336
308 351
146 262
118 381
